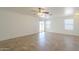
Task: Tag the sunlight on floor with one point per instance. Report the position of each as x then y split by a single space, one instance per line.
42 39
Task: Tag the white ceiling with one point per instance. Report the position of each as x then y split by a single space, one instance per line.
58 11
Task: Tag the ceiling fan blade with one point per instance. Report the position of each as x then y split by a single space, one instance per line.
46 12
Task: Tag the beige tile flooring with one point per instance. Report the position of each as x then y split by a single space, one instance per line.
42 42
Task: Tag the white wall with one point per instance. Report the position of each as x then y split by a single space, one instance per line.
13 25
57 25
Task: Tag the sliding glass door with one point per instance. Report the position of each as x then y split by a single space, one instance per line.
44 25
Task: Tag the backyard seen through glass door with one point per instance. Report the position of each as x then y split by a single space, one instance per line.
41 26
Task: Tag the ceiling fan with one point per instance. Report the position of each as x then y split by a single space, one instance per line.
42 12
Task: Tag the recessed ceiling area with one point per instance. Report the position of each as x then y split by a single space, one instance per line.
55 11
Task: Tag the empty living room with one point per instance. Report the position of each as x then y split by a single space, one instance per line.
39 28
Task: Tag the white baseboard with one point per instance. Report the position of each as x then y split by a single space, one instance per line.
11 37
65 33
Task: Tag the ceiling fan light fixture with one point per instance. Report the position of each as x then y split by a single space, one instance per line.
39 14
43 15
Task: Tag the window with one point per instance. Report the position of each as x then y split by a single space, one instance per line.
69 24
69 11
